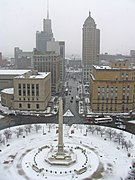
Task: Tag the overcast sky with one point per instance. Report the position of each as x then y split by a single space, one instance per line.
20 19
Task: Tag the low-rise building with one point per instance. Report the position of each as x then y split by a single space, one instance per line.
7 97
31 92
7 76
112 88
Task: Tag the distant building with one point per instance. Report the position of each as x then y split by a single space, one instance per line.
90 46
112 88
3 62
49 62
23 60
47 47
23 63
132 53
0 57
74 63
107 58
44 36
7 76
31 92
59 48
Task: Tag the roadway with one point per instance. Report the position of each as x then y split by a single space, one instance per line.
70 103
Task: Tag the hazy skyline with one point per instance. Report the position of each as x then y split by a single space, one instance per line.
20 19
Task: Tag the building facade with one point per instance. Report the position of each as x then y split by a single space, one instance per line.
90 46
59 48
112 88
23 60
44 36
7 97
49 62
31 92
7 77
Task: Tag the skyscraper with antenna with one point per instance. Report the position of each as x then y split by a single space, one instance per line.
42 37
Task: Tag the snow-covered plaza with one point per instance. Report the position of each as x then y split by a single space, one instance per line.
101 152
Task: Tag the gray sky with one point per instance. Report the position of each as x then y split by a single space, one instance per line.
20 19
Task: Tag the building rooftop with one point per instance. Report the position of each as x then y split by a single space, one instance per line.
13 72
102 67
8 91
39 75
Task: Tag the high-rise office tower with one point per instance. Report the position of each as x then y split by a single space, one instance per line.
49 56
90 46
44 36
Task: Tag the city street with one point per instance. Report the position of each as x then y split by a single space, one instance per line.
70 103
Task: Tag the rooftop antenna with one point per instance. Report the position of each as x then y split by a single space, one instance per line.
47 9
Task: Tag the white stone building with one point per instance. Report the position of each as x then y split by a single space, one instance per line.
31 92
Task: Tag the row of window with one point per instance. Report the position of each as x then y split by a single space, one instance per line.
112 95
112 89
45 59
113 100
111 109
28 106
28 99
28 89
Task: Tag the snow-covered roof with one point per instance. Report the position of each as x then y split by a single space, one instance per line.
102 67
13 72
1 116
8 91
39 75
133 121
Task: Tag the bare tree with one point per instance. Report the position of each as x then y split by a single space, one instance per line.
119 136
2 139
122 142
111 133
91 129
98 129
19 131
37 127
28 127
102 131
128 144
7 133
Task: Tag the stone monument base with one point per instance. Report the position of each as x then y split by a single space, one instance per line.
65 158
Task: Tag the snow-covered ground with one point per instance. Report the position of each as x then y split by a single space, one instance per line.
102 153
1 116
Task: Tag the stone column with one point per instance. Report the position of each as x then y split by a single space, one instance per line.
60 129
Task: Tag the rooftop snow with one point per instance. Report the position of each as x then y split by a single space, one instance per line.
102 67
13 72
40 75
8 91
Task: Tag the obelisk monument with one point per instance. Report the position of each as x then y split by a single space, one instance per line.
60 128
61 155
